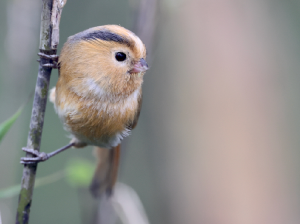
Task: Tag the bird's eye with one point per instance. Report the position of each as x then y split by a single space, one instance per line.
120 56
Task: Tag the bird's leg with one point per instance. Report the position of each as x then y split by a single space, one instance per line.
42 156
54 59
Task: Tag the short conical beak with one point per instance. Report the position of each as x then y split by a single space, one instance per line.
139 66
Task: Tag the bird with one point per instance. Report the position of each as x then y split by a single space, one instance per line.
98 96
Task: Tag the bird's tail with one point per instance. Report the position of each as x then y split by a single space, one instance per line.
106 171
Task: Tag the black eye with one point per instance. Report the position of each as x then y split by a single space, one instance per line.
120 56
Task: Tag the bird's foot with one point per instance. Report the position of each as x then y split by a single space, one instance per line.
46 56
40 157
54 59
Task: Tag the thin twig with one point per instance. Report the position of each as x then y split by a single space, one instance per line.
39 105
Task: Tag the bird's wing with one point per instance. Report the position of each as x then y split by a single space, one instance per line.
137 114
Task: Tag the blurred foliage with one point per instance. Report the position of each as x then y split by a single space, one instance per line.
6 125
79 172
15 190
10 191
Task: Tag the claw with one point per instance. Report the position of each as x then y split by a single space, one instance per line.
54 58
31 151
28 163
49 65
51 57
40 157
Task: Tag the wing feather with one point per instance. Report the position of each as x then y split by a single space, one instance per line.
137 114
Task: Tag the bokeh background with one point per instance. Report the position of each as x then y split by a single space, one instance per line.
218 137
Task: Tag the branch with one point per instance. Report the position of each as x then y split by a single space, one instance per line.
49 35
146 24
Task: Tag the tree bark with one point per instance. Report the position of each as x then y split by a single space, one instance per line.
48 46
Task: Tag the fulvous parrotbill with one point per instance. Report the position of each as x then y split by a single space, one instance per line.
98 95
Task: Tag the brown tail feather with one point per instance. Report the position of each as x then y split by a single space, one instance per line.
106 171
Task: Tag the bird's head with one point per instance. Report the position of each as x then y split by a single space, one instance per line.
105 60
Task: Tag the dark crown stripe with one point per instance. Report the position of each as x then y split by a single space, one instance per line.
106 36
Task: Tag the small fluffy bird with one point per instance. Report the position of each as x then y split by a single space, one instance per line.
98 95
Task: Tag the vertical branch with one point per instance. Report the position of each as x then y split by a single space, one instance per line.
48 45
146 22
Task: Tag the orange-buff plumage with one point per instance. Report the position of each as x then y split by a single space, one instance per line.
99 93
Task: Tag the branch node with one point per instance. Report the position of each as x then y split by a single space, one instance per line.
55 20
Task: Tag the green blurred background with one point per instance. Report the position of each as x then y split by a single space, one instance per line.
218 137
